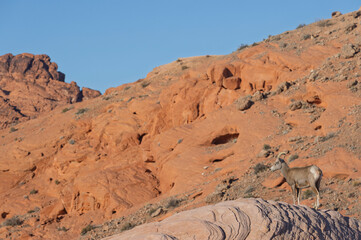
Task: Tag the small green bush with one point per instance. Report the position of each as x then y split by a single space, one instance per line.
36 209
266 147
243 46
34 191
306 36
64 229
12 129
57 182
67 109
87 229
14 221
324 23
172 203
260 168
356 184
145 84
301 26
307 194
184 67
72 141
82 111
127 226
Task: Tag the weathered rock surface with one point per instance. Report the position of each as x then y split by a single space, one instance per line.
249 219
31 84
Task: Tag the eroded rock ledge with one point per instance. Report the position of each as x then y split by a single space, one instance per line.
249 219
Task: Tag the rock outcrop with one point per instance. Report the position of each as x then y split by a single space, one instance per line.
249 219
31 84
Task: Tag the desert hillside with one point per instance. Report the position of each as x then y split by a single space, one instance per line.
194 132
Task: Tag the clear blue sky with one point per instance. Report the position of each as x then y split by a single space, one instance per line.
106 43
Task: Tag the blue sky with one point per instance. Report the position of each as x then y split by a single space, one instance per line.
106 43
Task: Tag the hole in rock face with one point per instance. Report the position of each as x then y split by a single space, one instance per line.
4 214
140 137
227 73
318 127
226 138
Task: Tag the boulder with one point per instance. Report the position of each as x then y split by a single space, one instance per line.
249 219
231 83
348 51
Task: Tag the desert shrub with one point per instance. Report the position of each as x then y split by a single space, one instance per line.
57 182
12 129
81 111
34 191
87 229
243 46
66 109
130 99
145 84
282 45
259 168
324 23
64 229
172 203
306 36
152 210
249 190
301 26
184 67
127 226
106 98
36 209
356 184
327 137
14 221
276 38
266 147
307 194
72 141
127 87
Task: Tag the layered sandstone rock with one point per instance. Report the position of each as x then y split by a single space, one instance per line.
249 219
31 84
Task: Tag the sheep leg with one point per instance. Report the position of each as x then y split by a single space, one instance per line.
294 194
298 195
315 190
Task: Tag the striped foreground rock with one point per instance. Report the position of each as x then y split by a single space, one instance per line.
249 219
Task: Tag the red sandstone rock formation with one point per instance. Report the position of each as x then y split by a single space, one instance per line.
31 84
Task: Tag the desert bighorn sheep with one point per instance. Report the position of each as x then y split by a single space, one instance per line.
300 177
